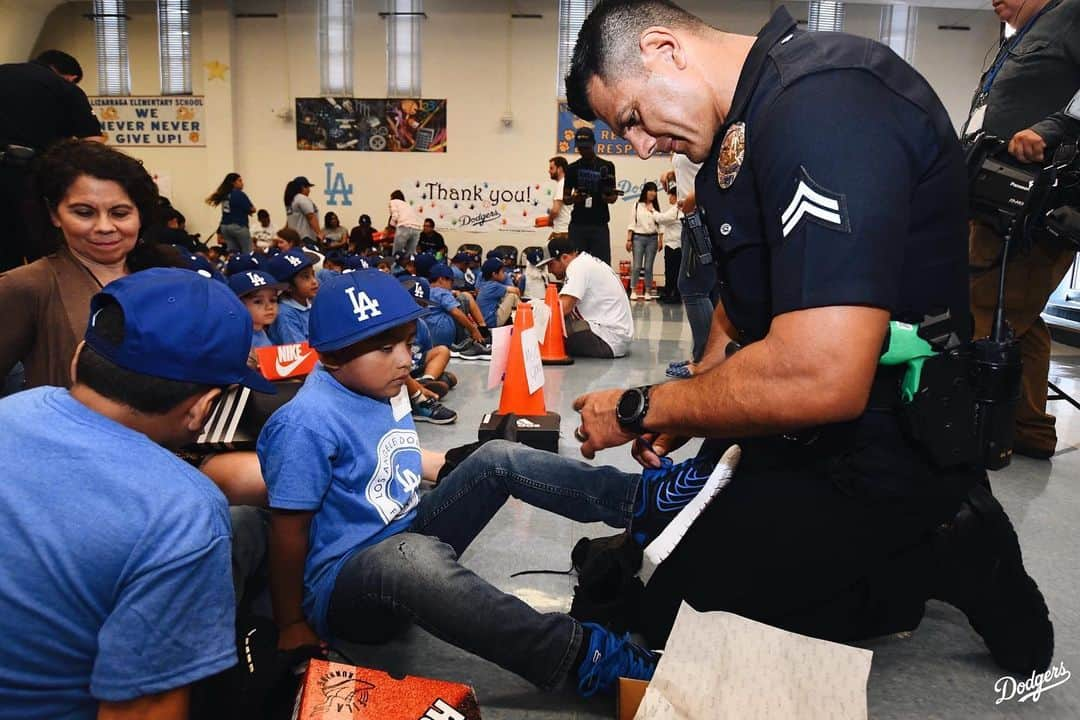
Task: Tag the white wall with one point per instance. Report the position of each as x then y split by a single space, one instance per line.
465 52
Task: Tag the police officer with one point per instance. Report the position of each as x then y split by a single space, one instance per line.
40 103
833 189
1019 99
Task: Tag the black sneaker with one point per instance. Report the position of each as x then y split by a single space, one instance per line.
449 378
475 351
456 348
433 411
436 386
983 575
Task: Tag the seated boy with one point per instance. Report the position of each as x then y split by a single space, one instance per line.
535 279
429 360
258 291
294 267
116 587
455 320
355 549
496 299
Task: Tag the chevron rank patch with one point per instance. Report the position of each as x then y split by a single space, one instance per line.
814 203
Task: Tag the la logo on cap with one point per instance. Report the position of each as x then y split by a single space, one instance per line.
418 290
256 281
293 260
363 306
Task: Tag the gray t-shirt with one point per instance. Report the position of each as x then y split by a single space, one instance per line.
301 207
1040 75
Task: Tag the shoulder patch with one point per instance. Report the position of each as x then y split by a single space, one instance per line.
814 203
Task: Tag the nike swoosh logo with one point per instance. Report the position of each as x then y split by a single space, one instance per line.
288 367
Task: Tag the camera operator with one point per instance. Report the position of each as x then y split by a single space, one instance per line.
1032 77
589 187
42 103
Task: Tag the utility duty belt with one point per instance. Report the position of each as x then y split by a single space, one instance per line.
17 156
956 401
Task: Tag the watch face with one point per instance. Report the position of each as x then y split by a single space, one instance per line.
629 404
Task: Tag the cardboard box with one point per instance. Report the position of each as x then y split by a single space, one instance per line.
629 698
333 691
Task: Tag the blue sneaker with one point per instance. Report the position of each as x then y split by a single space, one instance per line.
610 657
672 497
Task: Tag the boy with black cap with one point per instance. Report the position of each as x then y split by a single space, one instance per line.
355 549
116 582
296 268
455 319
496 299
589 186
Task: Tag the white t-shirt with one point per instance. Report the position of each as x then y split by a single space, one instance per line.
685 172
301 207
671 227
601 301
403 215
643 220
561 223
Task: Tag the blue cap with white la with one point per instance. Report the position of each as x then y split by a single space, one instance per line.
203 267
352 263
247 282
241 262
439 270
285 266
355 306
418 287
180 327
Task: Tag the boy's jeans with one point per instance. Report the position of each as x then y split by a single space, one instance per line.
416 574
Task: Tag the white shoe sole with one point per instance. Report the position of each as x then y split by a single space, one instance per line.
665 543
469 358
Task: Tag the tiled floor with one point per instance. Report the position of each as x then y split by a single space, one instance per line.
940 671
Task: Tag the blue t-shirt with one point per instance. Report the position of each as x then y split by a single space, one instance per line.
116 580
291 325
442 325
489 294
343 456
324 276
259 339
235 209
421 347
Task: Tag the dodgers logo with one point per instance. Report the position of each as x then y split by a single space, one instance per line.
255 280
293 260
392 487
364 306
336 185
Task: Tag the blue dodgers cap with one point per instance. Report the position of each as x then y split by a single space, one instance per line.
249 281
419 288
352 263
440 270
535 255
423 263
285 266
179 327
241 262
491 266
202 266
463 257
355 306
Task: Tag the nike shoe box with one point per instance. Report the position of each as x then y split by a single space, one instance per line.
536 431
333 691
281 362
238 417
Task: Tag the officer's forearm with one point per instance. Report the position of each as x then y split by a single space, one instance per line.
813 370
720 334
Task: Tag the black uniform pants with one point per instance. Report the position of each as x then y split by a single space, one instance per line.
15 245
834 539
593 239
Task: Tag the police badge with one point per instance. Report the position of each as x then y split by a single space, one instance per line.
732 150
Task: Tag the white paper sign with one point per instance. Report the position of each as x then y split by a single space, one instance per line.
541 316
151 121
765 673
500 353
400 403
534 366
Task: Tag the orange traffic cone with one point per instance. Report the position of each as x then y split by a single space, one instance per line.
515 392
553 348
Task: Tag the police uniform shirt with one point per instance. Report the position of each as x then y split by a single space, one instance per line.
596 173
851 190
40 107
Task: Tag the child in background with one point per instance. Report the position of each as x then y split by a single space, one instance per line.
449 323
258 290
296 268
355 550
429 360
535 279
335 237
496 300
333 264
262 234
383 266
287 239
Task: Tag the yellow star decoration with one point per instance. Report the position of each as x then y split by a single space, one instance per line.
216 70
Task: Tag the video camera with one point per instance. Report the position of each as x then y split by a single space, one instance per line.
1024 205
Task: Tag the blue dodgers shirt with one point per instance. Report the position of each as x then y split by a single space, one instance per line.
489 294
421 347
342 456
259 339
236 208
116 580
443 327
291 325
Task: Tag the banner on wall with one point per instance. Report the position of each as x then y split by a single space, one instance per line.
481 205
371 125
607 142
151 120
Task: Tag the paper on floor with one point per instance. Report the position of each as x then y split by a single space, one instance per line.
720 666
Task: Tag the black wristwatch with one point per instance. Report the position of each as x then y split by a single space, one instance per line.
632 407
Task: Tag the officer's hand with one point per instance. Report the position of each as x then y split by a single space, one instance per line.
667 178
1027 146
599 428
650 447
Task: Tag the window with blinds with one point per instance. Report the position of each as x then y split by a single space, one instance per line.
335 46
110 36
825 16
403 18
174 46
572 14
898 24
